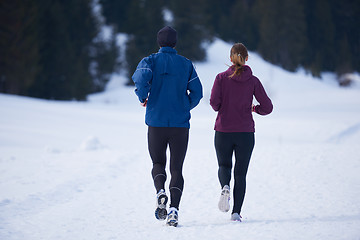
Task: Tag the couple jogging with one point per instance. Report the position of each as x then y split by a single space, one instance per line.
168 86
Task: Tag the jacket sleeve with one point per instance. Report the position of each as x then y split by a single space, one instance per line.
195 88
265 105
215 97
142 78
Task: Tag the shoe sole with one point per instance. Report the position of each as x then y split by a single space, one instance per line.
224 205
236 220
160 212
172 224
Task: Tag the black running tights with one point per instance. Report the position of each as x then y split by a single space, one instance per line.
242 143
159 138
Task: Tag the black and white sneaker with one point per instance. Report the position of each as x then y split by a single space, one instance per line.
161 200
172 219
224 204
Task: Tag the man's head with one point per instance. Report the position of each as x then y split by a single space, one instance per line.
167 37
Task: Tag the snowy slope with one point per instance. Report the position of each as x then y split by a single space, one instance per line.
71 170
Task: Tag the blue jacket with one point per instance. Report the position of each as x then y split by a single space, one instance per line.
171 85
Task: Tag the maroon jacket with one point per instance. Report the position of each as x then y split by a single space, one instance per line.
232 98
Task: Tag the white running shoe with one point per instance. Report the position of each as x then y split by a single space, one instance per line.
172 217
224 204
161 200
236 217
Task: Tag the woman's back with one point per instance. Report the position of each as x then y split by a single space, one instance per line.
232 96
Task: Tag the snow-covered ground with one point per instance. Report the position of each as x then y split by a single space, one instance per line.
81 170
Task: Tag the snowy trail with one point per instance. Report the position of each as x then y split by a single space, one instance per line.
72 170
101 188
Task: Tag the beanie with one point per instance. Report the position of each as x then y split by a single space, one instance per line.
167 37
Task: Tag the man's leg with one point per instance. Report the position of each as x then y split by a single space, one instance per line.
157 144
178 142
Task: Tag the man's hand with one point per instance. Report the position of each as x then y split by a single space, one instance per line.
144 103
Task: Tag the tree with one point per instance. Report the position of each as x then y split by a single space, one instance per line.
235 21
19 53
190 23
47 48
66 31
346 49
104 61
141 20
116 13
321 35
67 51
282 32
244 24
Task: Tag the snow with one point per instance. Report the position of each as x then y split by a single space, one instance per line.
81 170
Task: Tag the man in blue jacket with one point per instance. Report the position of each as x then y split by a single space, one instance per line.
168 86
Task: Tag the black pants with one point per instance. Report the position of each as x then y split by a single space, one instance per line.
159 138
242 143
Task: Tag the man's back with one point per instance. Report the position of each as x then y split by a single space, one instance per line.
169 77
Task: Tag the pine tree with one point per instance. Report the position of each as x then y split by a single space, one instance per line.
235 21
145 19
346 49
321 35
282 32
220 19
141 20
67 29
104 55
19 54
244 24
116 13
190 23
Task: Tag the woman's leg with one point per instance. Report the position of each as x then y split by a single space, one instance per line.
224 151
243 150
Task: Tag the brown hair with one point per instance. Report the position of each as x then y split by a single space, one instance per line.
238 54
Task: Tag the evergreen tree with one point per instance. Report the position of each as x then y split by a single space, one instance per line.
145 19
104 55
320 35
346 18
190 24
282 32
47 47
220 20
116 13
67 31
19 54
235 21
141 20
244 24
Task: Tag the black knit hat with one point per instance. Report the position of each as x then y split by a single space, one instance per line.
167 37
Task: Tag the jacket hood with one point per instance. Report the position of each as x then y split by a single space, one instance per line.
244 76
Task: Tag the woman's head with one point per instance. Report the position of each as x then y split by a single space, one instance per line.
238 56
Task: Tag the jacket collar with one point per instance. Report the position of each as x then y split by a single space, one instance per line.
167 50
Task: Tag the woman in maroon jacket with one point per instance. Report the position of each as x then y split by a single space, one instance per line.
232 97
